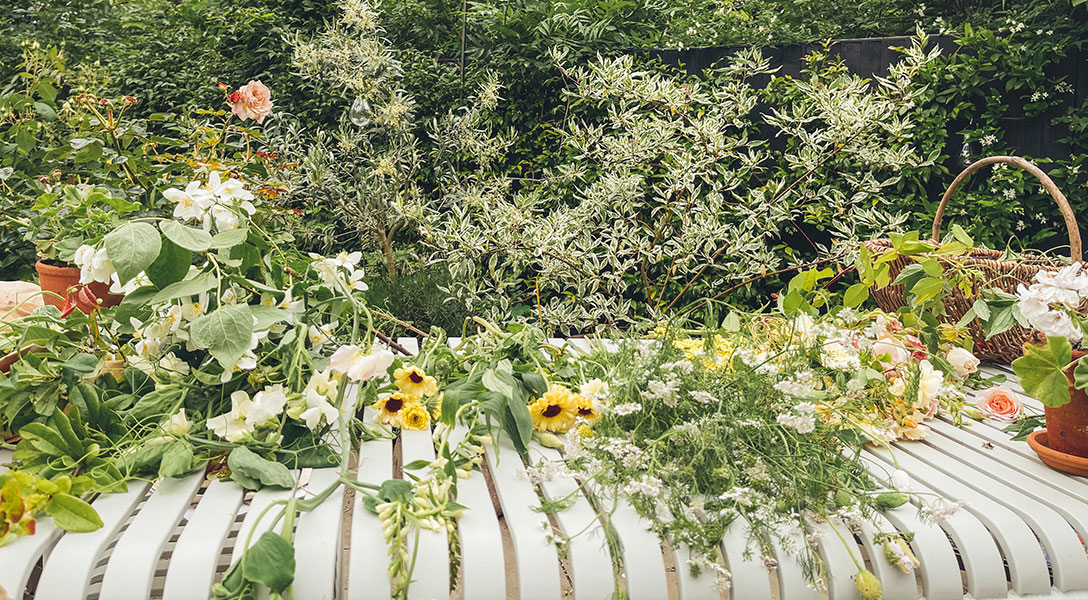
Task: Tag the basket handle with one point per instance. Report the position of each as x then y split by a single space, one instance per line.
1048 184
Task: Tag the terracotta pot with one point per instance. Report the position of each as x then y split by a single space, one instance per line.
1058 460
1067 425
59 279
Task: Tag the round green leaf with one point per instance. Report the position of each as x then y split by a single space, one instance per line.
225 332
189 238
132 248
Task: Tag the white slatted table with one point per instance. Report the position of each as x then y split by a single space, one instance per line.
1020 535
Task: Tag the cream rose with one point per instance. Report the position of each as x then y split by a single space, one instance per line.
999 403
252 101
963 361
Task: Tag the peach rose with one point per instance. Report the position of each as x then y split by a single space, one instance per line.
999 403
252 101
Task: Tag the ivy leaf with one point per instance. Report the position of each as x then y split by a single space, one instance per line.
271 562
253 472
72 514
225 332
1041 370
190 238
132 248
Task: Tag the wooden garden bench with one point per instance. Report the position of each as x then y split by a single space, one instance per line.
1020 534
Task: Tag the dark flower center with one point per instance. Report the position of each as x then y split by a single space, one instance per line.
552 410
585 412
393 405
415 377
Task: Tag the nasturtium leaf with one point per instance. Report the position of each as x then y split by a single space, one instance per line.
171 266
72 514
252 472
132 248
225 332
229 238
270 561
855 295
1041 370
190 238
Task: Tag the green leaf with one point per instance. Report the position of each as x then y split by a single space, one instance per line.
932 267
518 424
229 238
395 490
171 266
267 315
855 295
981 308
927 288
77 366
45 111
156 403
190 238
271 562
536 384
253 472
1041 370
495 382
177 459
72 514
731 322
197 284
1080 373
225 332
960 234
132 248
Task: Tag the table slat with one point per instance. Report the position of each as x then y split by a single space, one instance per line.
317 541
368 572
193 562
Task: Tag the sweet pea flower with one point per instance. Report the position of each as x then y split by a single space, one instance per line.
267 405
999 403
94 265
178 424
232 426
358 364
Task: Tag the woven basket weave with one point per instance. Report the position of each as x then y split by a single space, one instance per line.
1003 274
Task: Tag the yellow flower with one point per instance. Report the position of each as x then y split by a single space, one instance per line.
392 407
586 408
585 431
436 410
414 381
554 411
415 417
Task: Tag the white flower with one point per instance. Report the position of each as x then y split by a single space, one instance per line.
802 423
171 362
840 357
267 405
963 361
233 189
930 381
233 426
94 265
898 387
246 362
319 336
178 424
901 480
347 259
594 388
359 365
138 281
192 203
225 218
318 408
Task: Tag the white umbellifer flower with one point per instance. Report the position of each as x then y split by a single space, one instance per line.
232 426
628 408
359 365
840 357
963 361
178 424
702 397
802 423
94 265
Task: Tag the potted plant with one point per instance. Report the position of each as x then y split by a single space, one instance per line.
1052 370
65 227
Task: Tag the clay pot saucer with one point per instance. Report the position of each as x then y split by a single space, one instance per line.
1077 465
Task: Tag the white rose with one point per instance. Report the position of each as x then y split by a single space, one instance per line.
963 361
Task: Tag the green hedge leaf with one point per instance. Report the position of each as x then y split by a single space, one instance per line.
132 248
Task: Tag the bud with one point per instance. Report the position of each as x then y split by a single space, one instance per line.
235 97
129 100
868 585
223 87
890 500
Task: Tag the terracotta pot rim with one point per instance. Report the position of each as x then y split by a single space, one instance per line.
1069 463
41 265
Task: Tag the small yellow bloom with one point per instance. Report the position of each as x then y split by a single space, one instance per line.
392 406
586 408
554 411
415 417
585 431
436 410
414 381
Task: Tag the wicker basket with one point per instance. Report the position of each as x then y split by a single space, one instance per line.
1006 274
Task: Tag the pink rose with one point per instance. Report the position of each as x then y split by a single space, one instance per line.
897 354
252 101
999 403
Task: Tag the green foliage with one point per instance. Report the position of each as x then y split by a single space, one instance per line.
1042 370
253 472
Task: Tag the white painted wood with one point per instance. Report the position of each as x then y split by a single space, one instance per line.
68 569
791 575
840 567
750 578
482 560
643 562
982 559
537 560
368 572
430 578
5 458
18 557
691 587
251 527
896 584
1064 549
317 541
194 558
591 564
131 568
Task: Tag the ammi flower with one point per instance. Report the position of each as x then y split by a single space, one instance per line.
554 411
414 381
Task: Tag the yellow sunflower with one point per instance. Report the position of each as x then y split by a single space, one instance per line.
392 407
586 408
415 416
414 381
554 411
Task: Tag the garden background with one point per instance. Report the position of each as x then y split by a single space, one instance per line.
471 149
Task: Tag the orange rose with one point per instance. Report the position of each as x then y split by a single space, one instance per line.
252 101
999 403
